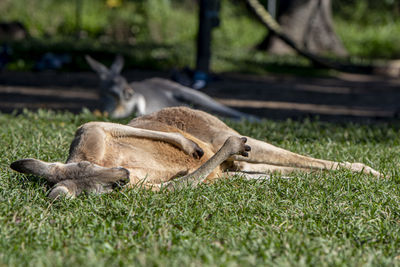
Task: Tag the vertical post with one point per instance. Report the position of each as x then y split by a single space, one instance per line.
208 19
78 17
272 8
204 37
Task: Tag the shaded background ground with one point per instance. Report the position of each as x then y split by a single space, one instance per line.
342 98
149 34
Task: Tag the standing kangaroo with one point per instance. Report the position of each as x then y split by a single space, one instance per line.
167 149
120 98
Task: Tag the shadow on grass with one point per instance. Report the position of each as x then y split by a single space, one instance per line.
276 64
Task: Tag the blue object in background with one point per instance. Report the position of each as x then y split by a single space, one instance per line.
50 61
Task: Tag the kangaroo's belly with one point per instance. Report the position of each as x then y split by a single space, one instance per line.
151 161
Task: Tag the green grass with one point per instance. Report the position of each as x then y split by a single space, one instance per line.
160 34
324 219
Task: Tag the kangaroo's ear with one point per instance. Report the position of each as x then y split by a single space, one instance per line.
117 65
98 67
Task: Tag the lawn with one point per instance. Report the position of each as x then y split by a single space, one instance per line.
334 218
161 34
326 219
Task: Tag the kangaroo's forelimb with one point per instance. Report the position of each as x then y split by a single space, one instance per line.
232 146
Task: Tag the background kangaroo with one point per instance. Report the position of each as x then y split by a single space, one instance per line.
120 98
169 148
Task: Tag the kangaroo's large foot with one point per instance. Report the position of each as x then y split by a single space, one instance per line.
361 167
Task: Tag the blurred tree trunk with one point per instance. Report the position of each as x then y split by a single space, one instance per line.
308 23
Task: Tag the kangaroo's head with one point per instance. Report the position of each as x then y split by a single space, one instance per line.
117 97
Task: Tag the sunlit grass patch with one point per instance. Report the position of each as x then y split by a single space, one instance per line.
334 218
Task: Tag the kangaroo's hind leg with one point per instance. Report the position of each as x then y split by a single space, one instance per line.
245 167
266 153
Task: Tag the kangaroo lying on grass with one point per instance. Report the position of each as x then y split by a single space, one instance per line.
120 98
167 149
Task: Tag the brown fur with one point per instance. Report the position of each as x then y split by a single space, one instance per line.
157 149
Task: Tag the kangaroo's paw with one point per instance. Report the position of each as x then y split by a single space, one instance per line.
244 149
67 188
198 152
73 188
193 149
238 146
60 191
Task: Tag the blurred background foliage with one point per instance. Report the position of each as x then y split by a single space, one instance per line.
161 34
